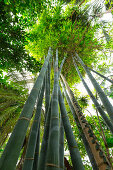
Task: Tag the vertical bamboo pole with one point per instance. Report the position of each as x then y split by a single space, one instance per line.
108 106
61 145
44 146
29 157
99 155
36 156
17 137
73 148
102 113
53 144
86 144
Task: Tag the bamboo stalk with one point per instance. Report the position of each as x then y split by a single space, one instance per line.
61 138
17 137
108 106
106 78
47 89
84 139
99 155
44 146
61 145
60 69
53 144
29 157
36 156
102 113
73 148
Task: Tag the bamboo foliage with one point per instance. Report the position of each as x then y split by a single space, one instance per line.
74 152
85 141
102 113
53 145
29 158
11 104
16 140
108 106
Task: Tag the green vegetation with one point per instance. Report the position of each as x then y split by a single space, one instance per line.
28 30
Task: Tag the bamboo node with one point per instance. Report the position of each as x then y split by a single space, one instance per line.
35 89
35 120
64 116
56 69
53 165
25 118
74 146
55 117
61 167
29 158
62 143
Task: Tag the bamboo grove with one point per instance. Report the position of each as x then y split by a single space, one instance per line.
49 154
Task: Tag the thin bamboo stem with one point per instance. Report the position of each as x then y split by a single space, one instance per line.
44 146
53 144
102 113
108 106
36 156
74 152
106 78
61 145
99 155
85 141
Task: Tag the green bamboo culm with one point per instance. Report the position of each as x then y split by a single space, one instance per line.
73 148
102 113
86 144
106 78
108 106
61 135
61 145
44 146
17 137
80 115
53 143
42 156
60 69
36 156
47 89
29 157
